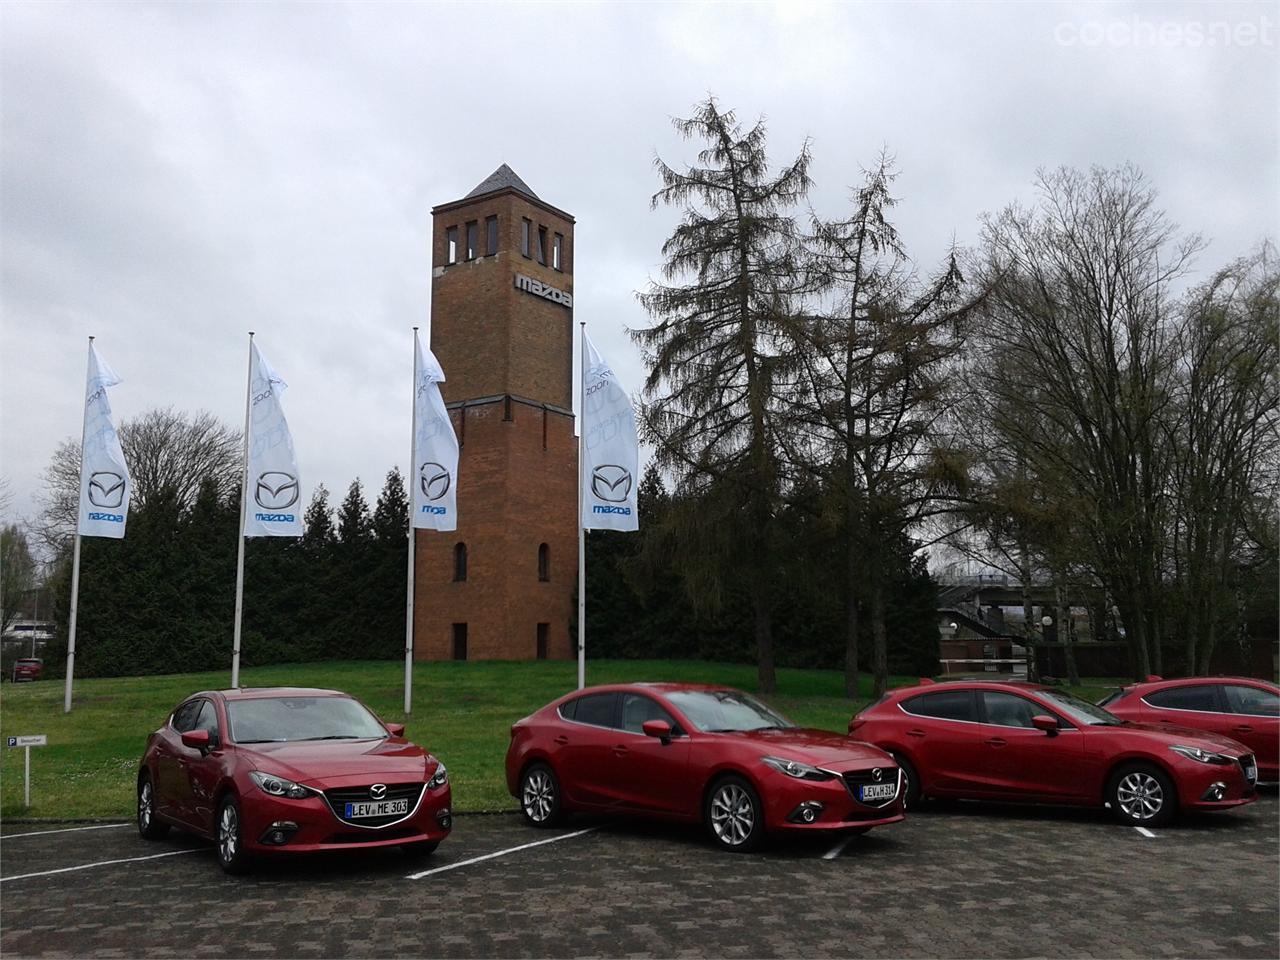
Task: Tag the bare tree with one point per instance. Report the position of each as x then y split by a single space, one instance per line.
17 572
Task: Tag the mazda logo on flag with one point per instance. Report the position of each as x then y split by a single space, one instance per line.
276 490
434 480
877 773
611 483
106 489
378 791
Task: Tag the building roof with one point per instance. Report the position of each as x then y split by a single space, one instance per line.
501 179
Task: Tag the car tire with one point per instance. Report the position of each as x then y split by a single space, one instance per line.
149 825
910 783
734 815
420 850
1142 795
540 796
229 836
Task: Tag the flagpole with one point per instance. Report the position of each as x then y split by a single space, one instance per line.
75 558
412 474
582 532
244 496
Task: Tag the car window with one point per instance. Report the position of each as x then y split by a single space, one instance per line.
1251 701
568 708
1008 710
207 719
595 709
1199 697
636 709
944 705
184 718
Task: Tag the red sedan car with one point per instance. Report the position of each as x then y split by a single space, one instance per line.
696 753
1023 742
1237 707
289 770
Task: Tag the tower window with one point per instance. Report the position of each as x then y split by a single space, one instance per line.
544 630
460 563
459 641
544 562
473 240
557 252
542 245
491 236
526 232
451 245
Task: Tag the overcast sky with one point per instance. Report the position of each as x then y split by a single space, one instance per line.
176 175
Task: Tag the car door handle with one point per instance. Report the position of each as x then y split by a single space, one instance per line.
1244 729
562 740
915 733
619 751
995 742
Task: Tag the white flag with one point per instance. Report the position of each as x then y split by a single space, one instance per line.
610 450
435 447
104 478
273 508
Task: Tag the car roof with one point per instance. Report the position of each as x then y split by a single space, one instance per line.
932 686
654 686
258 693
1159 683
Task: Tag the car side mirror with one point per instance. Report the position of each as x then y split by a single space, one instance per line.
657 728
197 740
396 729
1046 723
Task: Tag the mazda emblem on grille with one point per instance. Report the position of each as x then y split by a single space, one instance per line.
876 773
378 791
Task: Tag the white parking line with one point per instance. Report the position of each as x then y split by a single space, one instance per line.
41 833
101 863
500 853
1145 832
839 847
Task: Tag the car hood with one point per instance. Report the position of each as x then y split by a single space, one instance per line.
820 748
312 762
1164 734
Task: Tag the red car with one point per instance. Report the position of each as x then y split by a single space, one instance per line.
696 753
1026 743
27 668
289 770
1237 707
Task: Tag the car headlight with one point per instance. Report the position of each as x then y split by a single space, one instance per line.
1195 753
794 768
439 778
279 786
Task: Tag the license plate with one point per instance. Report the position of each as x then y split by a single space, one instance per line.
376 808
1251 772
877 791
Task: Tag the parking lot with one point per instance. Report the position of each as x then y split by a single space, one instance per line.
968 880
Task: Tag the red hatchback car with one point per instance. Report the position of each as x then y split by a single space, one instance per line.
696 753
1027 743
27 668
1237 707
289 770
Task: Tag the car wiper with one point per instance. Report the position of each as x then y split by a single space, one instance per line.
268 740
342 736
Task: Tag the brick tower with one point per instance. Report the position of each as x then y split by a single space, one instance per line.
501 586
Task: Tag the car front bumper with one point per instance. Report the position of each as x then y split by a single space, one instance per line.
1196 780
784 796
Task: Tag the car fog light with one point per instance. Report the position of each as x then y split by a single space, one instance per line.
807 812
1216 791
280 832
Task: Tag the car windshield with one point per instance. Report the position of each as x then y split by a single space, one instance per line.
281 719
1081 711
726 711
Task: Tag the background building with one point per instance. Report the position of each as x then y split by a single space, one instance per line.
502 586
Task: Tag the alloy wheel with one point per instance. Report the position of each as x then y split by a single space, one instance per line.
1140 795
144 806
538 797
733 815
228 833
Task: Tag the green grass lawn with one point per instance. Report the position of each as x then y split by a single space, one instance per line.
462 712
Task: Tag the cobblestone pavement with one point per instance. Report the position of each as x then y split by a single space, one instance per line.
964 881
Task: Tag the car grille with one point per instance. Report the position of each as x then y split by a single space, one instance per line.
338 800
857 778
